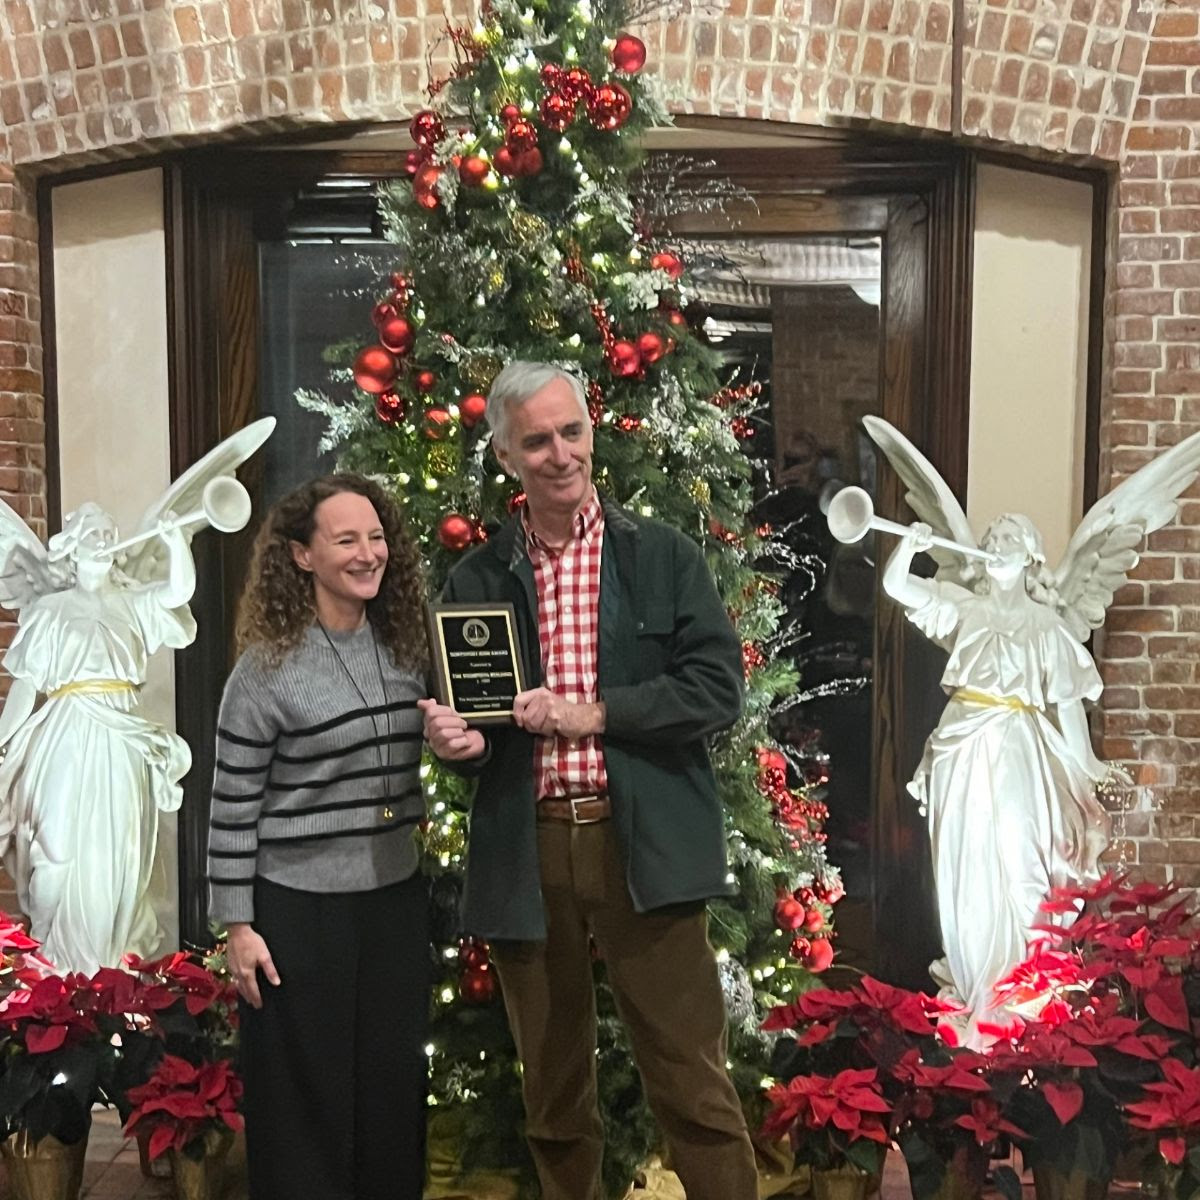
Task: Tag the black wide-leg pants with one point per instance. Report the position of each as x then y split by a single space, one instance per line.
334 1062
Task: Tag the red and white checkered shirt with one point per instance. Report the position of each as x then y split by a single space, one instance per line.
568 588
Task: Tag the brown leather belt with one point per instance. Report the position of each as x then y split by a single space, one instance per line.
579 810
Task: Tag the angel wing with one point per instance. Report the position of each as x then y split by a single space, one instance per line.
930 497
1104 548
145 562
26 573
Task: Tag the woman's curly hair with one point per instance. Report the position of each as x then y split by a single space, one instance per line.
278 604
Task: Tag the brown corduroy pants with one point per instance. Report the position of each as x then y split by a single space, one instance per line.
664 978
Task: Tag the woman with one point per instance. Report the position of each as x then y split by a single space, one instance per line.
1008 775
85 775
312 859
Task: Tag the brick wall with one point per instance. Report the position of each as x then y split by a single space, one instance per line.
1111 80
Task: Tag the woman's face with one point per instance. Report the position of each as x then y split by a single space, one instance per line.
346 556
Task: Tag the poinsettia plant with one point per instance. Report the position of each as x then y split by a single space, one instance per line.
182 1102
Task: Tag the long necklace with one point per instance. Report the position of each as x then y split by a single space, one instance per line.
384 766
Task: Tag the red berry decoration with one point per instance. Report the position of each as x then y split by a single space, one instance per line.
389 407
437 424
771 760
651 346
425 186
426 128
397 334
473 170
516 502
471 410
510 112
400 281
609 106
382 312
521 136
575 83
789 913
505 161
530 162
478 985
629 54
374 369
455 532
628 422
676 318
624 359
672 264
557 112
799 947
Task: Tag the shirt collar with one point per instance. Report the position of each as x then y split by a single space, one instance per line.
587 521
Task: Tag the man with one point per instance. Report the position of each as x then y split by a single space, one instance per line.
596 815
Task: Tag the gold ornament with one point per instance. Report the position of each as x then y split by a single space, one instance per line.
479 370
495 282
544 318
442 459
529 228
700 492
443 841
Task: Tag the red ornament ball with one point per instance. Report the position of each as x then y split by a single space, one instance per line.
629 54
505 161
397 334
425 185
651 346
552 74
374 369
455 531
789 913
814 920
530 162
624 359
400 281
426 128
819 956
413 161
383 311
389 407
471 409
609 106
478 985
557 111
672 264
575 83
771 760
473 954
521 136
473 170
516 502
799 947
510 112
437 424
425 381
676 318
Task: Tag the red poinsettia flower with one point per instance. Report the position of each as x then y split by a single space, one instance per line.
986 1123
181 1102
1172 1106
850 1101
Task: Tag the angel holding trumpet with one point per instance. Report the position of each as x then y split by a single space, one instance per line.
84 775
1008 780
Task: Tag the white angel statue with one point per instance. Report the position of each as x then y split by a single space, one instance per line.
84 776
1008 778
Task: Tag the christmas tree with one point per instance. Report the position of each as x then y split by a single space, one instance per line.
528 230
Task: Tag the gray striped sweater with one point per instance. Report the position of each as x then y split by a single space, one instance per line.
314 790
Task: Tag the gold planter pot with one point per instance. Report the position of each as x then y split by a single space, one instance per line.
1049 1183
842 1183
202 1178
965 1175
46 1169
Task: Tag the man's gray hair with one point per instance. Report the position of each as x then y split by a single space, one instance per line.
516 383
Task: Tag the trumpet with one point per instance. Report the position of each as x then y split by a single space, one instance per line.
224 504
851 513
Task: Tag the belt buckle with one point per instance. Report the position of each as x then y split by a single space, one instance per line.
576 819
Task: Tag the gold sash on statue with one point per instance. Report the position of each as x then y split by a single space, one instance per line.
92 687
971 696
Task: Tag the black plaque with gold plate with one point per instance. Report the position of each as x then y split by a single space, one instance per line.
476 656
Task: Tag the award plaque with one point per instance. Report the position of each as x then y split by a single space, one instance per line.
476 659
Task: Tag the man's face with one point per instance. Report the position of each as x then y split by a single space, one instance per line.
548 446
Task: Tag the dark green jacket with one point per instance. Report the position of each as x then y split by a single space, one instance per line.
670 674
